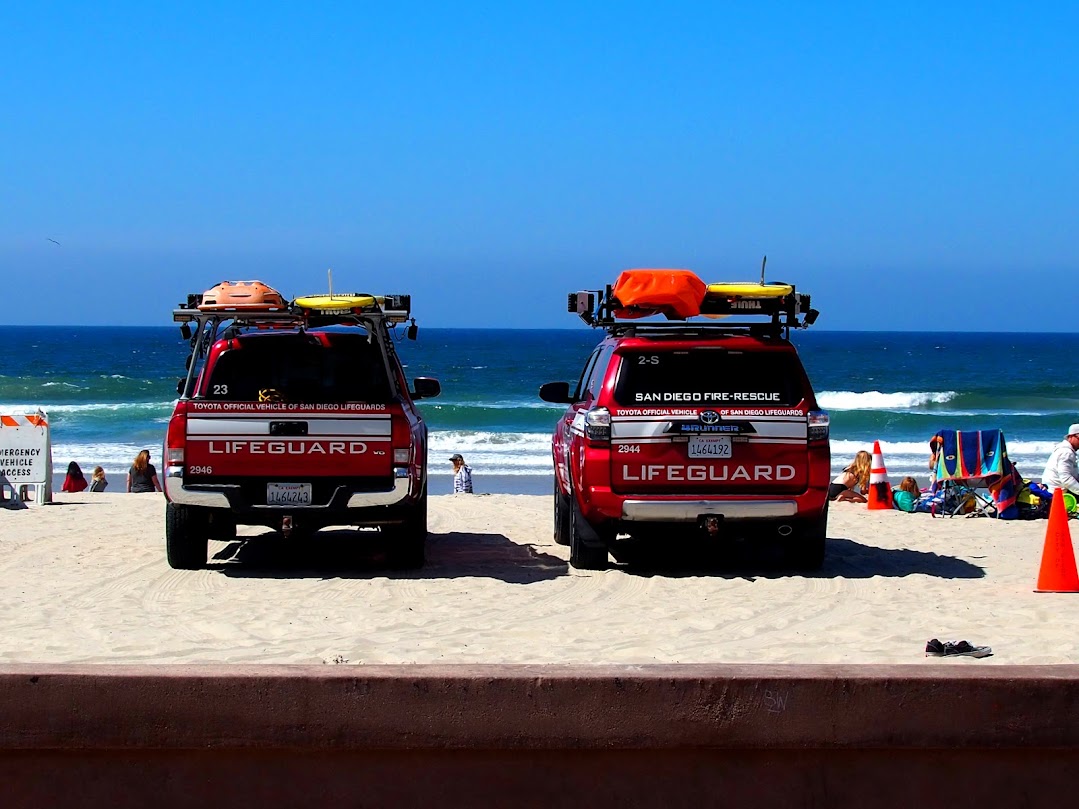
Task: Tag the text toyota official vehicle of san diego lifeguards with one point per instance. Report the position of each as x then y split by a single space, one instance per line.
297 416
690 427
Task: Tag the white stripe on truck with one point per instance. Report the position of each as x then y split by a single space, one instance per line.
373 428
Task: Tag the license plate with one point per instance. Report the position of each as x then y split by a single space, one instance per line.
710 446
288 494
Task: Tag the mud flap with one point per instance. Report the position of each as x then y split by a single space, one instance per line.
587 549
585 532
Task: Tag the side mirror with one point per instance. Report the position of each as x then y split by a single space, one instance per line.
426 388
185 331
557 392
410 332
180 386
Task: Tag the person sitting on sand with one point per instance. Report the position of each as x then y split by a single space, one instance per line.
907 494
462 475
1061 469
75 481
855 475
97 480
142 477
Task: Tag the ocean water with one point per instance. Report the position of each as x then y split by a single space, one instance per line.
109 392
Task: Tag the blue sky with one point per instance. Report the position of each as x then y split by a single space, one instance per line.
914 166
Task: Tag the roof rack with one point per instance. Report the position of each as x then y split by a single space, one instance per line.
392 309
601 309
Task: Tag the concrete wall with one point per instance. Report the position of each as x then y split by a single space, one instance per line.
953 733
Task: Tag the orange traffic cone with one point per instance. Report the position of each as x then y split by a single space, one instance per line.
1058 573
880 490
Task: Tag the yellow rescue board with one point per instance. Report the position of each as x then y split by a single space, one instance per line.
747 289
325 304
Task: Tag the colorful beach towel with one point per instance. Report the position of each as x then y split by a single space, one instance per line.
979 459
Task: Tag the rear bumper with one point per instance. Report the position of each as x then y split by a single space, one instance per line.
226 496
692 510
603 506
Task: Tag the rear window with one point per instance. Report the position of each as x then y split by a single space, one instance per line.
709 377
301 368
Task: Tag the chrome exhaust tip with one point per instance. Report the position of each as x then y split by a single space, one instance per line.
785 530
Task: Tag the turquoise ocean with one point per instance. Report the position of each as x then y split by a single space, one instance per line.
109 393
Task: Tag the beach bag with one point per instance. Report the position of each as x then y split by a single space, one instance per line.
930 502
1026 497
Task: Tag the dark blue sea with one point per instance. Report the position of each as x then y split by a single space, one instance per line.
109 392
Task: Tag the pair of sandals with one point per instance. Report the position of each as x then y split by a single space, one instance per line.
962 648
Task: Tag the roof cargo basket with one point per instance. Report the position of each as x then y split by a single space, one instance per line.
680 297
212 310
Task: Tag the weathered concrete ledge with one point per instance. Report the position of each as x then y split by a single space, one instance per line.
233 730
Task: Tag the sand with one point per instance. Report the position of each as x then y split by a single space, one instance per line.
85 581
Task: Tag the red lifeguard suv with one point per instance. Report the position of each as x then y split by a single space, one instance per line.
698 425
297 416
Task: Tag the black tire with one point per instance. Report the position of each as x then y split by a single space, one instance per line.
408 541
561 516
587 550
806 549
185 537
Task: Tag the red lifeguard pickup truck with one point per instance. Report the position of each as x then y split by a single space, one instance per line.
704 428
295 416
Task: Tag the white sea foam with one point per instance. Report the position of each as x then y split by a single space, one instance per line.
875 400
920 448
493 453
113 457
485 440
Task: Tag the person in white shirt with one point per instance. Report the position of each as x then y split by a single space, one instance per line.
1061 469
462 475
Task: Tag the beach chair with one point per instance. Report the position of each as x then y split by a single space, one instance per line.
971 460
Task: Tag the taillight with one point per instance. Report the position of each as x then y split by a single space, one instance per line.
400 434
818 425
401 456
175 440
597 424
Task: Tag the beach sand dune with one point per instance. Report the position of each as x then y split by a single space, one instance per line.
85 581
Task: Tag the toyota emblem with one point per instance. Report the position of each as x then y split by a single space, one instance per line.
709 417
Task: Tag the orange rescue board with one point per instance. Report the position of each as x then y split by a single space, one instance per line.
677 293
247 295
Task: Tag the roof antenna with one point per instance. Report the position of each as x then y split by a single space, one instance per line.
329 280
763 262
